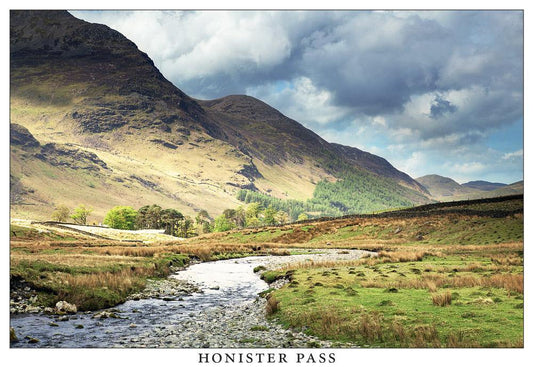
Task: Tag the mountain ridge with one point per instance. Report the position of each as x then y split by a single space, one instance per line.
446 189
88 87
484 185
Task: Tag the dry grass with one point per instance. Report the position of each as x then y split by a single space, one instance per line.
398 331
511 259
370 326
401 256
511 282
442 299
121 280
74 260
425 336
311 264
272 305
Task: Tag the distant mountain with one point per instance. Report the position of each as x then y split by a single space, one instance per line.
443 188
483 185
446 189
93 121
511 189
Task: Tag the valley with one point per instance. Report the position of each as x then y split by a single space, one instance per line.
443 275
143 217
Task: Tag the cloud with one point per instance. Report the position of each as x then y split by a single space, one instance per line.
519 154
437 83
441 107
301 99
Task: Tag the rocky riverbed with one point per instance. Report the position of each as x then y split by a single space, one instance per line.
207 305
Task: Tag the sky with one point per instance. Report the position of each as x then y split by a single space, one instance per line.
433 92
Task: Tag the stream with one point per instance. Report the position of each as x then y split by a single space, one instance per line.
223 313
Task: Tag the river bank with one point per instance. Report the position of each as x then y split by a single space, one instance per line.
207 305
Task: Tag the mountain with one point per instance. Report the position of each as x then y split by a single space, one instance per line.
483 185
511 189
443 188
93 121
446 189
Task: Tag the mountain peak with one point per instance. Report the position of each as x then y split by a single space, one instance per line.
59 34
98 96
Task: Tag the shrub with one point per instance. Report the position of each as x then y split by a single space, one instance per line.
222 224
61 213
80 214
121 217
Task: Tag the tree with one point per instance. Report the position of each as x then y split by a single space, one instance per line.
203 222
170 219
252 213
185 228
61 213
302 216
222 223
269 216
236 216
121 217
80 214
149 216
240 217
281 217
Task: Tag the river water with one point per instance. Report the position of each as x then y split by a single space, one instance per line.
224 285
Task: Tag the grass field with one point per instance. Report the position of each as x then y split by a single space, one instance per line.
439 280
447 297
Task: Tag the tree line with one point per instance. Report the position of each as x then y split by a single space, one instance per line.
351 194
175 223
147 217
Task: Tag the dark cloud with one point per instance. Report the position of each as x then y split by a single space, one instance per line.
425 80
440 107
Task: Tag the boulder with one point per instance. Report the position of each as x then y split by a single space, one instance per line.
65 307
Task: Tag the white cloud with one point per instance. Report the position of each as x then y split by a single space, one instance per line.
433 84
468 168
518 154
301 100
188 45
414 163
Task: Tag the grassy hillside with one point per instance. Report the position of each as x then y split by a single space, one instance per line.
474 222
86 86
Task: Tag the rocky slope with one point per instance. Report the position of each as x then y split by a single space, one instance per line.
83 92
